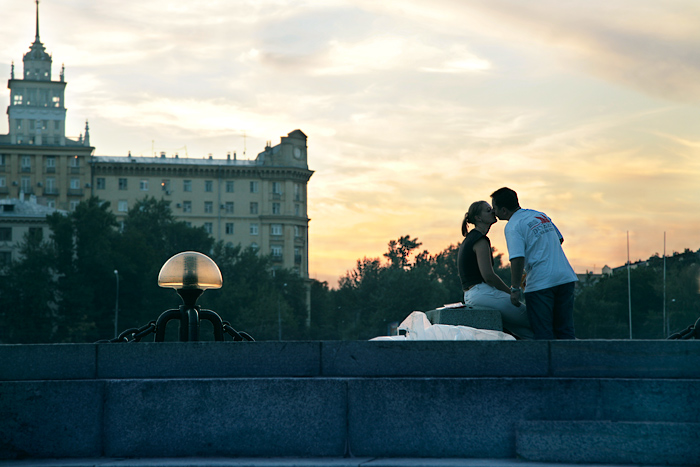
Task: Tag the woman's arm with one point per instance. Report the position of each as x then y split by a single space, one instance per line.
485 261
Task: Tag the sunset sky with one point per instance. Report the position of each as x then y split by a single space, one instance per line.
589 109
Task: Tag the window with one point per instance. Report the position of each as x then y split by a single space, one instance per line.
143 185
276 208
122 184
26 185
56 125
187 206
208 227
51 204
187 185
229 207
229 186
276 251
50 185
123 206
5 234
276 229
56 103
253 229
297 210
74 205
253 187
297 231
297 192
26 163
253 208
3 182
208 207
165 186
51 164
74 161
254 246
276 188
5 258
229 228
74 183
18 99
101 183
208 185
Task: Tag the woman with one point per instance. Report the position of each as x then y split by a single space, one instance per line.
482 287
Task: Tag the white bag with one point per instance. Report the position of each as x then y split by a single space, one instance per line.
418 328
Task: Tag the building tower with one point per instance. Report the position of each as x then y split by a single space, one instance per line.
36 157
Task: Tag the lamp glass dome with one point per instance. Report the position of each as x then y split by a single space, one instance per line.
190 270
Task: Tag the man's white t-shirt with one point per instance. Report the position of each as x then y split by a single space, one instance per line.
533 235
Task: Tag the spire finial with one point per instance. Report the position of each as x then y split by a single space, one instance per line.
37 21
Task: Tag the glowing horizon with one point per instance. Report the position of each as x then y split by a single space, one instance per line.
413 109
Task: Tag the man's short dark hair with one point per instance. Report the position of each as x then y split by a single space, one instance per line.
505 198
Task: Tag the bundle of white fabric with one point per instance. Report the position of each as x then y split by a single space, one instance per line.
418 328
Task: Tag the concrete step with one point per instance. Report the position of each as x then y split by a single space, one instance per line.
609 442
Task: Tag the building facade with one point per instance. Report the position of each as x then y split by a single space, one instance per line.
19 218
260 203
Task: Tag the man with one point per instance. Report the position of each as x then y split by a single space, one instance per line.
534 247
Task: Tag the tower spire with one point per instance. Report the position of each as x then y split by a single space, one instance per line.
36 38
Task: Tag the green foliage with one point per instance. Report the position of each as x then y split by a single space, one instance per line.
64 290
601 309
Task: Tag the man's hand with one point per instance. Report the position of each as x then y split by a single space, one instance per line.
515 298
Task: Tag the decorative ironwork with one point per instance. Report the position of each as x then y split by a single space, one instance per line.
691 332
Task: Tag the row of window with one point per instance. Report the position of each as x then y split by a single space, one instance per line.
49 184
26 162
39 124
40 97
165 185
6 233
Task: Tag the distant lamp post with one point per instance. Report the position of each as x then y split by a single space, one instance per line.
116 306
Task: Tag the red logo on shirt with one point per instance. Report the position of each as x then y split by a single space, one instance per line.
543 219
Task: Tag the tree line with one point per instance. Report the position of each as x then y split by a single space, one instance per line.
64 289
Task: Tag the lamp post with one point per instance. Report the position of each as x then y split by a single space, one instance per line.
116 306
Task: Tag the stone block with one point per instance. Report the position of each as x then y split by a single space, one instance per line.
50 419
47 362
435 358
475 317
225 417
208 359
460 417
609 442
626 358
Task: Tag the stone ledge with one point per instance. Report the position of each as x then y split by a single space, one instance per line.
584 359
609 442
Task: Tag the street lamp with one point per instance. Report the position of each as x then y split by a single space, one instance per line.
190 274
116 306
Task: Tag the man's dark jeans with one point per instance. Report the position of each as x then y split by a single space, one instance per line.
551 312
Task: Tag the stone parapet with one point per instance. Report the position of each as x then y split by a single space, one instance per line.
475 399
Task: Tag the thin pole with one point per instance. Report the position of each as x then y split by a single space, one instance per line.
116 307
629 285
663 330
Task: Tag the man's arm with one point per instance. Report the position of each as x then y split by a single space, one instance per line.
517 266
